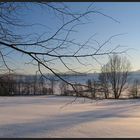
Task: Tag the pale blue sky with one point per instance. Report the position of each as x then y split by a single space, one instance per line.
127 13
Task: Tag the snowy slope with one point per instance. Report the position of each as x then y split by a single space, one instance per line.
46 116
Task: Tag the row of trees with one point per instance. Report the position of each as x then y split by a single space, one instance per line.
24 85
112 81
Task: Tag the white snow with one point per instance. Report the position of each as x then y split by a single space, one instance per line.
46 116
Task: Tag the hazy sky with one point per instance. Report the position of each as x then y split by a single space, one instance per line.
127 13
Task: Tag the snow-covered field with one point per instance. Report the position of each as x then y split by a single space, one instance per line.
46 116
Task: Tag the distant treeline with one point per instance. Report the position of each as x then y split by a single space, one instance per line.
94 87
12 84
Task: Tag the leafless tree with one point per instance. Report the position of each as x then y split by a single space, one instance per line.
117 70
7 84
104 81
134 89
41 83
63 88
34 84
46 51
52 85
91 88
